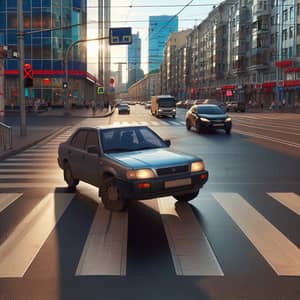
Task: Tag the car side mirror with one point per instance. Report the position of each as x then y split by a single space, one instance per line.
167 142
92 149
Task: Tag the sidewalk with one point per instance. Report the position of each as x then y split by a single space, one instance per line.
36 134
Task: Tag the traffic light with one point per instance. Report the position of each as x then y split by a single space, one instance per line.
28 78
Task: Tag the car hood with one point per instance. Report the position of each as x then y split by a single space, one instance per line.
152 158
214 117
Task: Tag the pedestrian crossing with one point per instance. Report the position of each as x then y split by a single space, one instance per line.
150 123
105 247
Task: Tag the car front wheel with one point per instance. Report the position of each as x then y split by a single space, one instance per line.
68 177
112 197
188 124
228 130
186 197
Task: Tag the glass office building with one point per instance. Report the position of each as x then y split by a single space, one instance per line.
160 28
45 42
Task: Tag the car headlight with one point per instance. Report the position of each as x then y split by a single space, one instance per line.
197 166
174 109
204 119
228 119
160 110
140 174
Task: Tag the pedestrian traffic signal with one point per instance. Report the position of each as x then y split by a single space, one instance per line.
28 78
100 90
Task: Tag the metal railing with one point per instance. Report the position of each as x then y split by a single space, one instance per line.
5 137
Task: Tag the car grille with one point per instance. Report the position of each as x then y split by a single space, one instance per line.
172 170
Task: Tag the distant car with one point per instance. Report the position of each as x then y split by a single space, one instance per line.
124 108
129 163
205 116
148 105
235 106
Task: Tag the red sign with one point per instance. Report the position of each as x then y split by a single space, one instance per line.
28 71
284 63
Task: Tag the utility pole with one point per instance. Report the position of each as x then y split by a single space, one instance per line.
20 35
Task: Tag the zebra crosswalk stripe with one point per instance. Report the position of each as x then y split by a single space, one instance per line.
8 199
281 254
290 200
191 251
19 250
105 250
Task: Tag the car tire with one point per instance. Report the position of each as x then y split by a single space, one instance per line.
228 131
68 177
186 197
111 196
198 127
188 124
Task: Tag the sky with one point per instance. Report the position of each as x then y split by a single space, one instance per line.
135 14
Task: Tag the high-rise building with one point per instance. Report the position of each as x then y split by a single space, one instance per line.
160 27
134 60
47 37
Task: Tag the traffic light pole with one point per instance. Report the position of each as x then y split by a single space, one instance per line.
20 35
67 104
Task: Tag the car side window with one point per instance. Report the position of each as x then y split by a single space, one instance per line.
78 141
92 139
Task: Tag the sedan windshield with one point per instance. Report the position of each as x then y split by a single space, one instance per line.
209 110
130 139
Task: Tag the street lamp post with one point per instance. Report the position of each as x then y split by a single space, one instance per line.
67 103
20 35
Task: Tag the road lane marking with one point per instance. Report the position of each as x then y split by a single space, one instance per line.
105 250
19 250
284 142
281 254
164 123
8 199
31 176
154 123
17 163
33 185
182 122
191 251
290 200
174 123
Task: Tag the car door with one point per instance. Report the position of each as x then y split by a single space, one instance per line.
92 159
76 153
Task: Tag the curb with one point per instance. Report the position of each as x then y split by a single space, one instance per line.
19 149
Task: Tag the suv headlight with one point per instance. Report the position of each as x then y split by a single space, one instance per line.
228 119
197 166
140 174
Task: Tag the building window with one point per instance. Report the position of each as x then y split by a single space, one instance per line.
290 51
298 29
291 12
291 32
284 53
298 9
285 15
284 34
298 50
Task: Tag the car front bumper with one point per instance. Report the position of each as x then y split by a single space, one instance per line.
163 186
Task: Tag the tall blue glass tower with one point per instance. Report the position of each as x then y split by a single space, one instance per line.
160 28
45 44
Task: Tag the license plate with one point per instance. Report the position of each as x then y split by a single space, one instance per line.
177 182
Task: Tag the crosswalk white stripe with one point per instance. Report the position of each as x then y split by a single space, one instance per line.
105 249
19 250
31 176
26 170
7 199
27 164
174 123
191 251
154 123
282 255
290 200
116 123
32 185
54 159
143 122
164 123
182 122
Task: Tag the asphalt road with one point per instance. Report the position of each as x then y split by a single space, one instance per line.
239 239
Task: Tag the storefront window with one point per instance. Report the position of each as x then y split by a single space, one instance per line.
11 20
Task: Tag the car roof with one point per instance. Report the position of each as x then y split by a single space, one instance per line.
207 105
